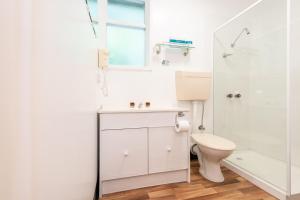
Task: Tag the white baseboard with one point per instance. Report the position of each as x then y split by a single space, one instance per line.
130 183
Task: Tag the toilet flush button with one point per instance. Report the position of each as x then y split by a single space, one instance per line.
126 153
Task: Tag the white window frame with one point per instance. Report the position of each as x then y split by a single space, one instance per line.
103 22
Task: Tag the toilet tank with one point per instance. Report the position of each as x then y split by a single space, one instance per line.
192 86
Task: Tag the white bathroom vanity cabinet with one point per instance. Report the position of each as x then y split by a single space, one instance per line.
140 148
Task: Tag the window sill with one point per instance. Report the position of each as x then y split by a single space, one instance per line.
129 68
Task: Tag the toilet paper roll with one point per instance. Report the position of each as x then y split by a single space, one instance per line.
182 126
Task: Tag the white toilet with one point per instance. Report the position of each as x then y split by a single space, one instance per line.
211 150
196 87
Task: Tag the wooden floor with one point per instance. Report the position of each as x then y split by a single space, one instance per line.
233 188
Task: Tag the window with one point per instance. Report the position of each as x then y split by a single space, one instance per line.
126 32
127 11
126 45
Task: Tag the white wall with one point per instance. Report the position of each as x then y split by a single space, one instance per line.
64 101
191 19
9 88
48 101
15 158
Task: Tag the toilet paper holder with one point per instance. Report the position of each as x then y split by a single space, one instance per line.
182 125
179 114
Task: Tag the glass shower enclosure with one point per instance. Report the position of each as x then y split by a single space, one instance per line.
256 94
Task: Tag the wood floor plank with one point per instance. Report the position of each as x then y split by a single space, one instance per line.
233 188
194 194
161 193
222 196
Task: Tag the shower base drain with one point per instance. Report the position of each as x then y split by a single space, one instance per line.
239 158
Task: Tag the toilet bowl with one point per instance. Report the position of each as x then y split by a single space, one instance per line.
211 150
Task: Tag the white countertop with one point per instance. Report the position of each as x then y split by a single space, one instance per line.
142 110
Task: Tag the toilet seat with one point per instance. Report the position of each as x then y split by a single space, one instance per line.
213 142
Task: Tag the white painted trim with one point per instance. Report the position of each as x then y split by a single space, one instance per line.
239 14
256 181
125 24
129 68
288 130
141 2
134 1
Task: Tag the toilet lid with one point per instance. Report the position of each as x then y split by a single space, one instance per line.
213 141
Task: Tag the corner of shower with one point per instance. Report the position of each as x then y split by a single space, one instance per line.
255 68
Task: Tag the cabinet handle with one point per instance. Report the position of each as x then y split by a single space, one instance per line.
126 153
169 149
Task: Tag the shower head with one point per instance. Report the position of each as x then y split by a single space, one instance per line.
246 30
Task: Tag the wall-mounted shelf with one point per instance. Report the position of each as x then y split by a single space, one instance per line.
184 47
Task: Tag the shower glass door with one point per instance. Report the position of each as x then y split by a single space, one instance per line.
250 90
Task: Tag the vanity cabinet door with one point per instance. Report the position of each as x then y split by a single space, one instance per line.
124 153
168 150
